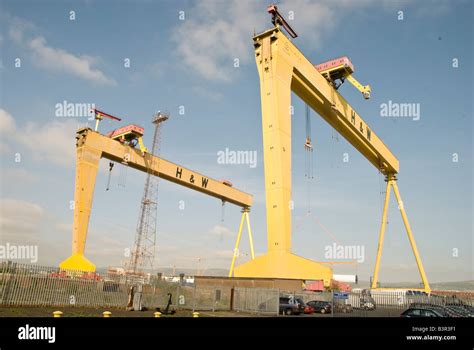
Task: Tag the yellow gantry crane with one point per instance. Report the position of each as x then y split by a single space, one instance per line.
120 146
282 69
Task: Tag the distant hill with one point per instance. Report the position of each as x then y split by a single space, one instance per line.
187 271
460 285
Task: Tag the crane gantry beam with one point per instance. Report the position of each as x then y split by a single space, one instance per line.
91 146
282 69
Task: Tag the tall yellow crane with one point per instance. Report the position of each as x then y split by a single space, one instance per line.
283 68
120 146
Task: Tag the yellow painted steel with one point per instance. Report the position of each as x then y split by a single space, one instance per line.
91 147
142 146
237 244
346 72
282 69
249 230
245 217
411 238
391 183
381 234
364 89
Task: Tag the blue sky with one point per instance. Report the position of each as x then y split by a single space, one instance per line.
190 63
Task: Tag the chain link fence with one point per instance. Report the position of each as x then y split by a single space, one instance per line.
256 300
393 303
207 298
33 285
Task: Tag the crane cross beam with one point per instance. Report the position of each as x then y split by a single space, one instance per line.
91 146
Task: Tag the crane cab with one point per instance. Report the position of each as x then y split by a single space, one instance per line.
130 135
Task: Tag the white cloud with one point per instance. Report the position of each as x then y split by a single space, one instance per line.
51 58
59 60
7 127
4 148
223 254
208 94
7 124
17 27
20 176
19 219
53 142
214 34
220 230
63 227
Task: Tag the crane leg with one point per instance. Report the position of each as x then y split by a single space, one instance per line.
391 183
411 238
382 233
237 244
250 233
87 166
276 66
246 218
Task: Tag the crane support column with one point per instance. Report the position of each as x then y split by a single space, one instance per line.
382 233
392 183
245 217
276 77
284 69
411 238
87 165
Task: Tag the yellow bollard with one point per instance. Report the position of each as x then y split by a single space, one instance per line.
57 314
157 314
196 314
107 314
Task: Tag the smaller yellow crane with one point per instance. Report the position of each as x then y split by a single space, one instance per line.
120 146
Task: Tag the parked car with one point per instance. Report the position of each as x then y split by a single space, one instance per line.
291 306
307 308
422 312
462 309
320 306
448 310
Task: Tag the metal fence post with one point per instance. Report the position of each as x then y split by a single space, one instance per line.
214 290
177 297
194 297
278 302
333 309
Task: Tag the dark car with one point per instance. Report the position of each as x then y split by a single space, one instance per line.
460 310
307 308
291 306
448 310
422 312
320 306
